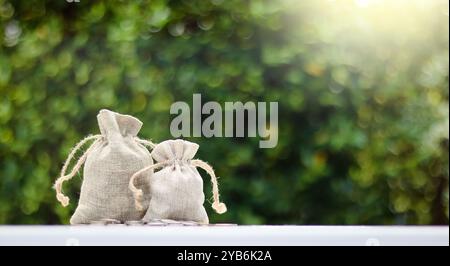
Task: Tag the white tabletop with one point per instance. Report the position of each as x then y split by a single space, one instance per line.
224 235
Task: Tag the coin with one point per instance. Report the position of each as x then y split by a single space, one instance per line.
190 223
222 224
97 223
155 224
107 221
169 221
134 222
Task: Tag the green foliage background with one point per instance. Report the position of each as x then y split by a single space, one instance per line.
362 88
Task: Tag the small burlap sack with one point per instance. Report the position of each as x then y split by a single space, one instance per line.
110 161
177 189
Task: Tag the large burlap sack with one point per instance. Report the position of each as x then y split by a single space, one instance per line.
110 161
177 189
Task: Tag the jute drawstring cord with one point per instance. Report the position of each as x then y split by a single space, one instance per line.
218 206
63 177
66 177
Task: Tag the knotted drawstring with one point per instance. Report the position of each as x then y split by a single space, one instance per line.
63 177
218 206
147 143
137 193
